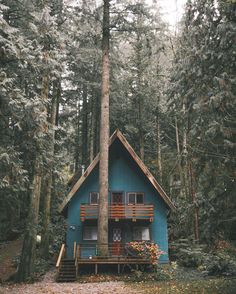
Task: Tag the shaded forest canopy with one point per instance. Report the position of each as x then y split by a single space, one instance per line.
171 94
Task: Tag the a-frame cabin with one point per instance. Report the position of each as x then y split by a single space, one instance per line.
138 207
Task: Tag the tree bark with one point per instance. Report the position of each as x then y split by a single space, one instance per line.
97 126
185 182
92 130
77 139
26 266
196 210
104 139
159 164
180 170
85 126
139 95
48 175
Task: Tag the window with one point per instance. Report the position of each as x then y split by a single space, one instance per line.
141 234
116 198
94 196
139 198
135 198
90 233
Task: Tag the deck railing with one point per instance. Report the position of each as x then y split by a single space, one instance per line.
132 211
116 250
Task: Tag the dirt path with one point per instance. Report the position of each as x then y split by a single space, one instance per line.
49 286
69 288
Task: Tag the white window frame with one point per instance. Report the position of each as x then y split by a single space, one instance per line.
90 197
135 193
93 233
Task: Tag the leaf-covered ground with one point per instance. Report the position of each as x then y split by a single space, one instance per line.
108 284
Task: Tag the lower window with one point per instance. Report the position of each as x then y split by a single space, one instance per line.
90 233
141 234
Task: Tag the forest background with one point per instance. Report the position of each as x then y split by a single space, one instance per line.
172 94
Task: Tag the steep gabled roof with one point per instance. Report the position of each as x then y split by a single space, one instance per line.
118 135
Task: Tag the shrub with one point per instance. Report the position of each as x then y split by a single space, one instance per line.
220 263
145 249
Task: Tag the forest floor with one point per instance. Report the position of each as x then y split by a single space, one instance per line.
9 251
189 281
106 284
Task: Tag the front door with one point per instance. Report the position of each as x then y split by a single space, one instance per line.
116 241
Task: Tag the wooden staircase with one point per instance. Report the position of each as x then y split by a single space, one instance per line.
67 271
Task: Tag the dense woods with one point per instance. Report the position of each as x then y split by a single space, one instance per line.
172 94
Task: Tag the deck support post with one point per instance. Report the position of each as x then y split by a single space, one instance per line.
118 268
96 268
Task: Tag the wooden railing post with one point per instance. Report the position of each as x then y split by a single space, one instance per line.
60 257
74 253
78 251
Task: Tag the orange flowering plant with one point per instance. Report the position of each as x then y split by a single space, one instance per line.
145 249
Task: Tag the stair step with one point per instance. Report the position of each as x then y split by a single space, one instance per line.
67 272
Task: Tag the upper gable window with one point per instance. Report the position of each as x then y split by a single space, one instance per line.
94 197
135 198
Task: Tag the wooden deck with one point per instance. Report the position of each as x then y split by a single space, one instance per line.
68 268
125 261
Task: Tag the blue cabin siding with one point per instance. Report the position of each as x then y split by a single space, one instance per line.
125 176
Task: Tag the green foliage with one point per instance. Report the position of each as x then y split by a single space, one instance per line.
163 273
210 262
203 83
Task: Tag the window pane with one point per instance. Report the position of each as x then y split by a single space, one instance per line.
139 198
117 198
94 198
131 198
145 234
137 233
90 233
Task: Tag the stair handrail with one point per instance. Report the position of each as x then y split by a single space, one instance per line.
74 253
61 255
76 249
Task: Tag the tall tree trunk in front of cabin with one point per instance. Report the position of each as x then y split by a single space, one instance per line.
48 175
77 139
104 139
85 126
